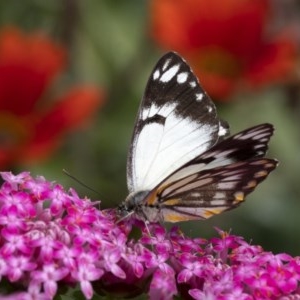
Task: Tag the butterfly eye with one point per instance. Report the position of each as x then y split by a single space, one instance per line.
122 208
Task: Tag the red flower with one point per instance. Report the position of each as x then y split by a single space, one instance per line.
225 41
31 122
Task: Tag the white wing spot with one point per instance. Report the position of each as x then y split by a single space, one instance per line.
218 202
209 108
145 113
153 110
193 84
218 196
166 64
210 154
245 136
260 152
169 74
223 185
255 147
182 77
259 136
199 97
196 195
156 74
225 153
222 131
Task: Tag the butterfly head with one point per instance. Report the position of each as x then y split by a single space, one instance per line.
136 204
132 204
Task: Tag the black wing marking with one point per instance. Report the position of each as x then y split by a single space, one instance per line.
176 122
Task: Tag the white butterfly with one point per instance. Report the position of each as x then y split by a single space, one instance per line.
181 166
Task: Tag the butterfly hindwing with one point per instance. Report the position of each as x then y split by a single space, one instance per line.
212 191
216 180
249 143
176 122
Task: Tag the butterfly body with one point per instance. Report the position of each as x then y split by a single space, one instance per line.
143 209
181 166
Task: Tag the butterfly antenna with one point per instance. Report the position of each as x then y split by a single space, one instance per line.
147 227
80 182
125 217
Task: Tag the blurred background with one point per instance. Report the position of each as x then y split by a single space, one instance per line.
72 74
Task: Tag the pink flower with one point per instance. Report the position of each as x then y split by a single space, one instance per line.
64 240
49 275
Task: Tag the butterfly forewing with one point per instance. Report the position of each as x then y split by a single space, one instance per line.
176 122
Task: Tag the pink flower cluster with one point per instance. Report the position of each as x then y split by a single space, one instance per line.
51 239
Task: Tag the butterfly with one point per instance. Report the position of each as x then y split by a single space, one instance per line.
181 164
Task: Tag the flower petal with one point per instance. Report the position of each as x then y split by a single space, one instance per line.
28 63
74 109
275 62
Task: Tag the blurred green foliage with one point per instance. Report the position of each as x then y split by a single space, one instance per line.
109 45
